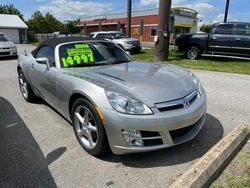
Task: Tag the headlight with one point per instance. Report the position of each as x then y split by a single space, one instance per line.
127 42
197 83
13 46
127 105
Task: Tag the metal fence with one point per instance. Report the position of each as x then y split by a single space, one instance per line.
42 37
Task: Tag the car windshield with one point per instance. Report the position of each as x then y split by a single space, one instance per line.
121 36
82 54
2 38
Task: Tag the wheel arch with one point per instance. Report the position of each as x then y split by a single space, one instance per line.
18 68
75 96
194 44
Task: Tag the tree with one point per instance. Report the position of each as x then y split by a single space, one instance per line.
44 24
10 9
37 22
52 23
206 27
71 26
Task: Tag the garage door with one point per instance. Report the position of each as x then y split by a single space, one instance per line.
12 33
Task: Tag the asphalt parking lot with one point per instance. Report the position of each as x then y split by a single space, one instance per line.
38 147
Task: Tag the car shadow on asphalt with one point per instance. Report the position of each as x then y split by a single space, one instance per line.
8 58
210 134
22 161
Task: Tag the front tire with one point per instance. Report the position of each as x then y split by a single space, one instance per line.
25 88
88 128
193 52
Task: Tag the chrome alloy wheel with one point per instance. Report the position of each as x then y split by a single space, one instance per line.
86 127
23 85
192 53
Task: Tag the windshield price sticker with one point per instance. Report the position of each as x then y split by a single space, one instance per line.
80 54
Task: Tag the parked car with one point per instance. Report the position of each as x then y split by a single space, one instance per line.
229 39
112 100
7 47
61 34
119 38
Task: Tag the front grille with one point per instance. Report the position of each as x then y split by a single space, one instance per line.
175 134
4 53
146 134
151 138
153 142
5 48
177 104
135 43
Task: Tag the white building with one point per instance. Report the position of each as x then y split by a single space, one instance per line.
13 27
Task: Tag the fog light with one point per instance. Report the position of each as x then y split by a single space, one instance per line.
132 137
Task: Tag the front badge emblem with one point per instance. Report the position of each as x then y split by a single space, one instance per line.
185 104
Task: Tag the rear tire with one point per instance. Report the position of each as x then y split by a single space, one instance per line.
88 127
193 52
25 88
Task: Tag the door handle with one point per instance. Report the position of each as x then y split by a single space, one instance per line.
32 65
214 38
237 38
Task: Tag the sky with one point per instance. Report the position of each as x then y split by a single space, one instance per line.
209 10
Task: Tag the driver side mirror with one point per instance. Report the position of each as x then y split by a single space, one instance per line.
43 60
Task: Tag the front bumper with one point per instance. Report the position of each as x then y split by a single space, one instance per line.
5 52
129 47
174 127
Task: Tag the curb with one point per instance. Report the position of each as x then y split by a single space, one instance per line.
207 169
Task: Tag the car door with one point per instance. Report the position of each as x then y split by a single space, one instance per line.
221 38
42 79
242 39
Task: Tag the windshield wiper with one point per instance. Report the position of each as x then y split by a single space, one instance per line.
88 65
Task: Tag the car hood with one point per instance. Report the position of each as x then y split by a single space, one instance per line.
5 44
150 83
126 39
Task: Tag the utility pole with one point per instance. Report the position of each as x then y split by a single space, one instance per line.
163 34
129 17
226 11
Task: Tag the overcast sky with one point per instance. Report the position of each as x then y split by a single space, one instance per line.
210 10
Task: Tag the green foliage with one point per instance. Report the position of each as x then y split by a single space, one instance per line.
52 23
206 63
44 24
49 24
206 28
10 9
71 26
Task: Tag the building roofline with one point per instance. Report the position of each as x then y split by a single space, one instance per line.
184 8
12 21
135 13
114 13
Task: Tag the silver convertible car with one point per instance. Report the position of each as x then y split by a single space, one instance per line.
112 100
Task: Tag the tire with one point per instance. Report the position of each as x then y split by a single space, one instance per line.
25 88
90 131
193 52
